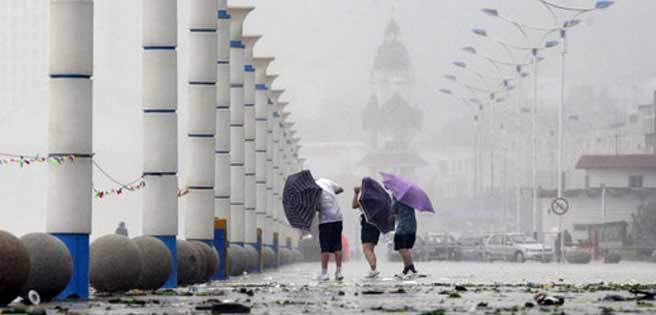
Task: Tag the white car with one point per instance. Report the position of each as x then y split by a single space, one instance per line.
515 247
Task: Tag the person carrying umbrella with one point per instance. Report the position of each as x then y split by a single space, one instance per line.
330 228
405 236
407 197
369 236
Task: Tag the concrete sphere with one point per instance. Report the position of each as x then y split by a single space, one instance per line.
578 257
51 268
115 264
251 258
191 263
269 257
14 267
157 262
236 260
284 256
211 260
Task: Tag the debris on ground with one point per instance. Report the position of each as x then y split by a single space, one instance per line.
372 292
546 300
398 291
402 309
245 291
225 308
437 311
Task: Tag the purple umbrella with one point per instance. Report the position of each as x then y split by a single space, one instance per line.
408 193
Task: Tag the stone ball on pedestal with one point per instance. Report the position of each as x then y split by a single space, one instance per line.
115 264
269 257
14 267
284 256
236 260
51 265
251 258
191 263
211 260
157 262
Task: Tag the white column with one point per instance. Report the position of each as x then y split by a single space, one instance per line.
261 118
198 205
272 156
268 163
69 205
70 124
236 226
250 224
279 161
222 150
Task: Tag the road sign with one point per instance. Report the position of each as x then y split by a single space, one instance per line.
560 206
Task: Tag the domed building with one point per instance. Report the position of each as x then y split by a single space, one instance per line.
390 118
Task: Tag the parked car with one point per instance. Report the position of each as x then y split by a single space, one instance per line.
472 247
440 246
515 247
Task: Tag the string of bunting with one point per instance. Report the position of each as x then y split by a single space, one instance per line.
26 160
135 185
100 194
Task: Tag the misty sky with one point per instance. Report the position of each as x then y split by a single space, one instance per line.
324 51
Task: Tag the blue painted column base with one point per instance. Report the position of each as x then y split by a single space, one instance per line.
260 252
170 242
78 246
221 246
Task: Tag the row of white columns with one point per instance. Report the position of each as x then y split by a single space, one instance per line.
238 146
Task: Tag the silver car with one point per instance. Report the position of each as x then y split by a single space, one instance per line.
515 247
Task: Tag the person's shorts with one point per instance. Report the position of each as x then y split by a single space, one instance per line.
330 237
404 241
368 233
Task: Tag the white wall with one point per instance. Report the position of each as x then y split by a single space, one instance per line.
620 178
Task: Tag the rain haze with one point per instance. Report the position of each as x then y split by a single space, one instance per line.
437 91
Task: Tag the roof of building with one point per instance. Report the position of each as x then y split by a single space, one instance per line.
624 161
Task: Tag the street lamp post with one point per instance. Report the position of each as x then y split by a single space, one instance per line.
534 62
517 69
562 29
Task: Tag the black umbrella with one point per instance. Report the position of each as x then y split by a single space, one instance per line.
300 198
376 205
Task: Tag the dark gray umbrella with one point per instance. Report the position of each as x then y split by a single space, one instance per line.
376 205
300 199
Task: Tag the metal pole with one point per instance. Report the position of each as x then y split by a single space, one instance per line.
561 105
492 138
518 188
534 140
603 213
475 187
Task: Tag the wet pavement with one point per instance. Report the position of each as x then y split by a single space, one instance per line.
444 288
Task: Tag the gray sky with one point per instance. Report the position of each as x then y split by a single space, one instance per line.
324 51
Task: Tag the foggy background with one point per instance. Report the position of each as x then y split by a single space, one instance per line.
324 54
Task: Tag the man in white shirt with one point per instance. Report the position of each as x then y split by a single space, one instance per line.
330 227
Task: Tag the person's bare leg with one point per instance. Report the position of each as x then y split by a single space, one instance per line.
407 257
324 261
338 260
369 254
